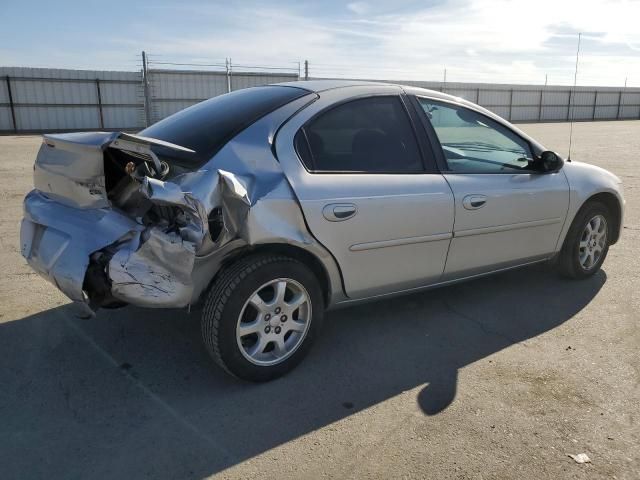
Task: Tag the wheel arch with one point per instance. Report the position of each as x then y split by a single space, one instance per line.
608 198
613 204
303 256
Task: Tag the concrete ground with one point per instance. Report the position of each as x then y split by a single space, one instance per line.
501 377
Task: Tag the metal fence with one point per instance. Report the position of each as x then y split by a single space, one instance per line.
41 100
46 100
172 90
539 103
38 99
169 90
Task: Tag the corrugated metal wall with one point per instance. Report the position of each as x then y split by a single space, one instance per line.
536 103
173 90
59 100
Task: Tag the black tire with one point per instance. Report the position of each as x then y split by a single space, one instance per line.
569 259
226 299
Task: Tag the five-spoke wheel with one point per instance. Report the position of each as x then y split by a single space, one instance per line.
274 321
593 241
587 242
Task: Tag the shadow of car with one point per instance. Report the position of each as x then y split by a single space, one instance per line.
132 392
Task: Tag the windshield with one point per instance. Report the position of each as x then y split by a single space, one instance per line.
207 126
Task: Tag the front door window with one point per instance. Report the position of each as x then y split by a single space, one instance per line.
474 143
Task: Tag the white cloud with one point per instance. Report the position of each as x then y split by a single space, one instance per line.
476 40
359 8
511 41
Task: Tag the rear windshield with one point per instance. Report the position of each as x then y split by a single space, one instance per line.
207 126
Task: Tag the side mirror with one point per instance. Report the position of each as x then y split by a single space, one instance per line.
550 161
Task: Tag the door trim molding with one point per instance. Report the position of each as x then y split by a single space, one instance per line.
505 228
358 247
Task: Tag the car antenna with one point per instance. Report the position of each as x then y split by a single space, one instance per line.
572 97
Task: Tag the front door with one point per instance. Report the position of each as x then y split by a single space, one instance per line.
505 213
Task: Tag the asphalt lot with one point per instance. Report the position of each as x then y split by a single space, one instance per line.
501 377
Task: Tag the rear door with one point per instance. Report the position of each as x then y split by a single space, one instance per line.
505 213
368 189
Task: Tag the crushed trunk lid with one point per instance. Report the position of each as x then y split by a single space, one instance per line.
70 167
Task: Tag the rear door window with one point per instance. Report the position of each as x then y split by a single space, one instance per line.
369 135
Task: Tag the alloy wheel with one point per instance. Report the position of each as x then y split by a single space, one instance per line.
592 242
274 321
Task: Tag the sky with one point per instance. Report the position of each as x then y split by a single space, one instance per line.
497 41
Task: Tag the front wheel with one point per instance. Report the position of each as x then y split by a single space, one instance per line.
261 316
587 242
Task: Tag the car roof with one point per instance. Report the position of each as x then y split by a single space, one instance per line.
317 86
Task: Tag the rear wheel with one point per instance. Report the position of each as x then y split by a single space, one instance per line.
261 316
587 242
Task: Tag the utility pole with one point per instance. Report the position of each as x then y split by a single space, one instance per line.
227 62
145 88
306 69
11 105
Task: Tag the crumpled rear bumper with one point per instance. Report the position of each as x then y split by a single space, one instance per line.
57 240
147 266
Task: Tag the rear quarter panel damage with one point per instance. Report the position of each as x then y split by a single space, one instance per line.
157 274
167 262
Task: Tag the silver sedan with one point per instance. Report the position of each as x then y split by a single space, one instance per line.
271 204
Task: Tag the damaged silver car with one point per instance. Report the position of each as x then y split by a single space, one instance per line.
271 204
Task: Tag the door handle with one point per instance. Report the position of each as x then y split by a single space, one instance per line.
338 212
473 202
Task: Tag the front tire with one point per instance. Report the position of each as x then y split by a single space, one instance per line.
261 316
587 242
